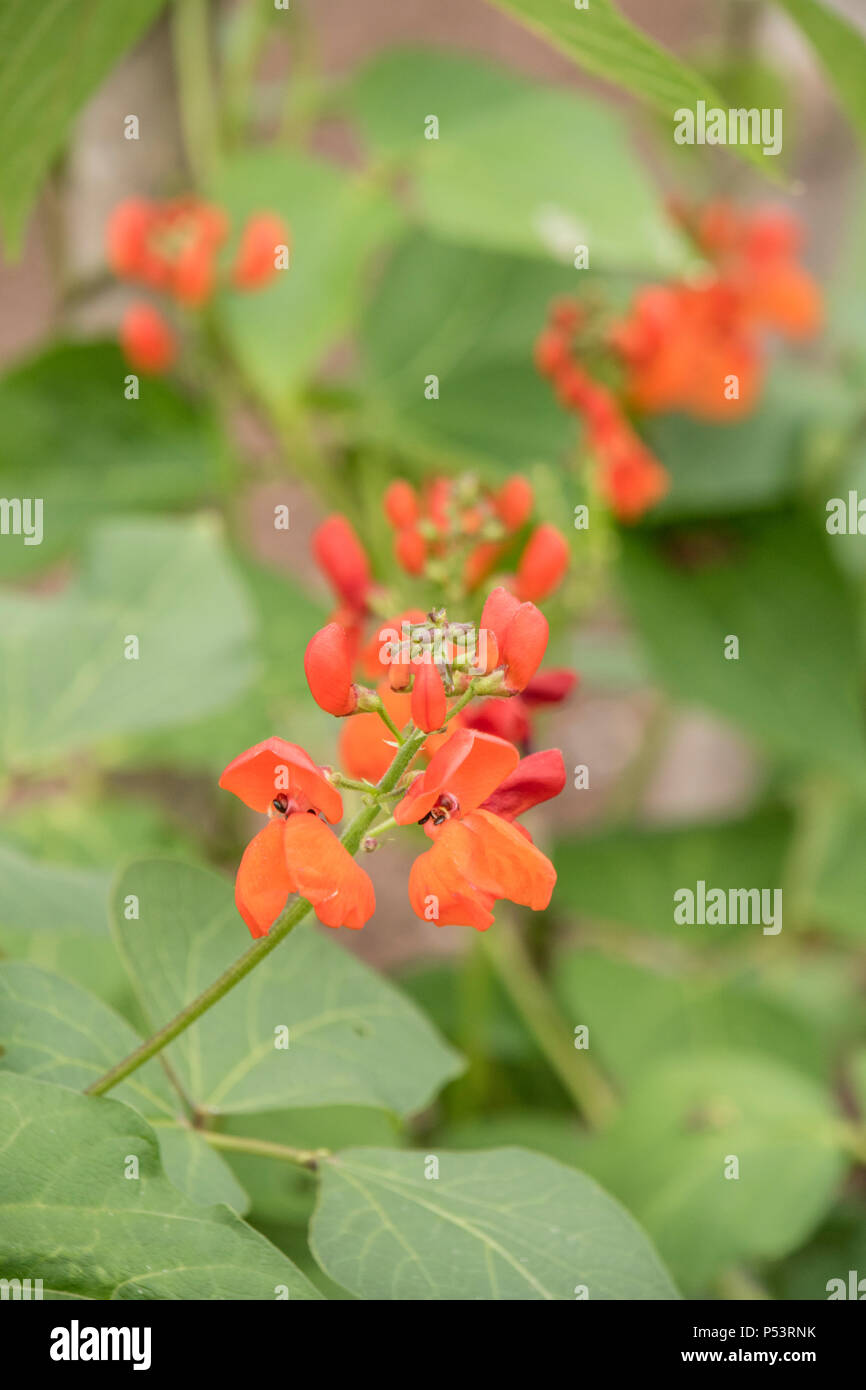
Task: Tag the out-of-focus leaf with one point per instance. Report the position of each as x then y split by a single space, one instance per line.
51 60
796 687
353 1038
841 48
516 167
687 1121
336 221
599 38
502 1224
629 877
637 1016
71 1214
475 317
68 684
69 436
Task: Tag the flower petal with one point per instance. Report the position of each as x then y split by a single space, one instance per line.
472 863
275 767
469 766
323 871
262 884
536 778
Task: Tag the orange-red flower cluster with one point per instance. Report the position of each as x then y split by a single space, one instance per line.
457 520
353 640
693 345
173 247
628 476
697 346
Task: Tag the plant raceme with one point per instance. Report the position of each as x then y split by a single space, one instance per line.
694 345
429 672
174 246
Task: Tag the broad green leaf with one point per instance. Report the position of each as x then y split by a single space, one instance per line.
796 687
841 47
34 895
70 1215
67 682
667 1154
600 39
636 1016
515 167
54 1031
475 317
51 59
353 1038
839 895
68 434
629 877
499 1225
56 916
336 221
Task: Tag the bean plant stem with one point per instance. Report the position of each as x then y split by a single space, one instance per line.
580 1077
354 834
263 1148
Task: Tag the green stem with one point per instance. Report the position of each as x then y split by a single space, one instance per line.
585 1084
351 839
387 720
468 694
199 112
263 1148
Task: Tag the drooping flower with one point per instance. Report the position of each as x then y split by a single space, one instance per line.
342 558
521 631
147 341
328 668
478 855
296 852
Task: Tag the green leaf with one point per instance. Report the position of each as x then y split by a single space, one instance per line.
841 47
336 221
494 176
54 1031
686 1121
601 40
796 687
50 63
353 1038
70 1215
56 916
197 1170
636 1016
629 877
68 684
504 1224
475 317
64 421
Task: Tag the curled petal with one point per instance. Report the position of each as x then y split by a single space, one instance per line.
328 668
468 767
263 883
524 645
537 778
498 611
550 687
274 768
323 871
429 706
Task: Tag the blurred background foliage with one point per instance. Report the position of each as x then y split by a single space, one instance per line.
412 257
